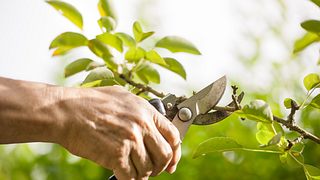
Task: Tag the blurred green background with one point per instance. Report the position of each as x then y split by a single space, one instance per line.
251 41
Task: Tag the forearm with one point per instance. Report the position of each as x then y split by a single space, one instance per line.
29 112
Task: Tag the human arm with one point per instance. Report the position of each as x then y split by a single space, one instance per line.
109 125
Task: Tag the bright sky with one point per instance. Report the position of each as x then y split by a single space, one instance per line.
214 26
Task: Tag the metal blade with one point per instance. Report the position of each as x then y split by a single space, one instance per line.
200 103
217 116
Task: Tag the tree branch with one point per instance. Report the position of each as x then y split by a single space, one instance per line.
142 87
291 126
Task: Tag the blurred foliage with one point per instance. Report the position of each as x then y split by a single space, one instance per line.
45 161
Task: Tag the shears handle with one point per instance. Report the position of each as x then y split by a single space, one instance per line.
156 103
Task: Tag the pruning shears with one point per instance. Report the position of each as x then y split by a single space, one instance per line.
183 112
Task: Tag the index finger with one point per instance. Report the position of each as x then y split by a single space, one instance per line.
172 136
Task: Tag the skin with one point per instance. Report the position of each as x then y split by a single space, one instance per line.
108 125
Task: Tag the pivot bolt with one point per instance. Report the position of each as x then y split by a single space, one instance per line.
185 114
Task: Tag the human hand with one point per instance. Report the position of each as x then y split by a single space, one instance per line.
119 131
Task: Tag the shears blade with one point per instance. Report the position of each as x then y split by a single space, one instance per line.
200 103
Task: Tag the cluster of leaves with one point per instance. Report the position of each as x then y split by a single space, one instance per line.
270 134
136 63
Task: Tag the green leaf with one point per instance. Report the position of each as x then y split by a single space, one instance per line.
126 39
99 73
315 102
174 66
148 74
105 9
111 64
67 41
154 57
77 66
316 2
91 84
311 26
134 54
305 41
177 44
107 23
138 33
222 144
111 40
216 144
94 65
287 103
311 172
297 148
68 11
99 48
265 133
263 136
311 81
283 157
257 110
275 139
61 51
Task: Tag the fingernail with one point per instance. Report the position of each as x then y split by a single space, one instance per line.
172 169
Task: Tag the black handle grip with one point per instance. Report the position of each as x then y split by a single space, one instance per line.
156 103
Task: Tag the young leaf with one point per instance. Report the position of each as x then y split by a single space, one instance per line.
317 2
105 9
68 11
154 57
77 66
111 40
107 23
134 54
67 41
315 102
99 73
283 157
216 144
91 84
108 82
263 136
311 26
311 80
312 173
93 65
305 41
148 74
61 51
288 102
111 64
126 39
177 44
138 33
275 139
99 48
257 110
174 66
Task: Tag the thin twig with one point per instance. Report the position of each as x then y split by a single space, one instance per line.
294 108
235 97
142 87
304 133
